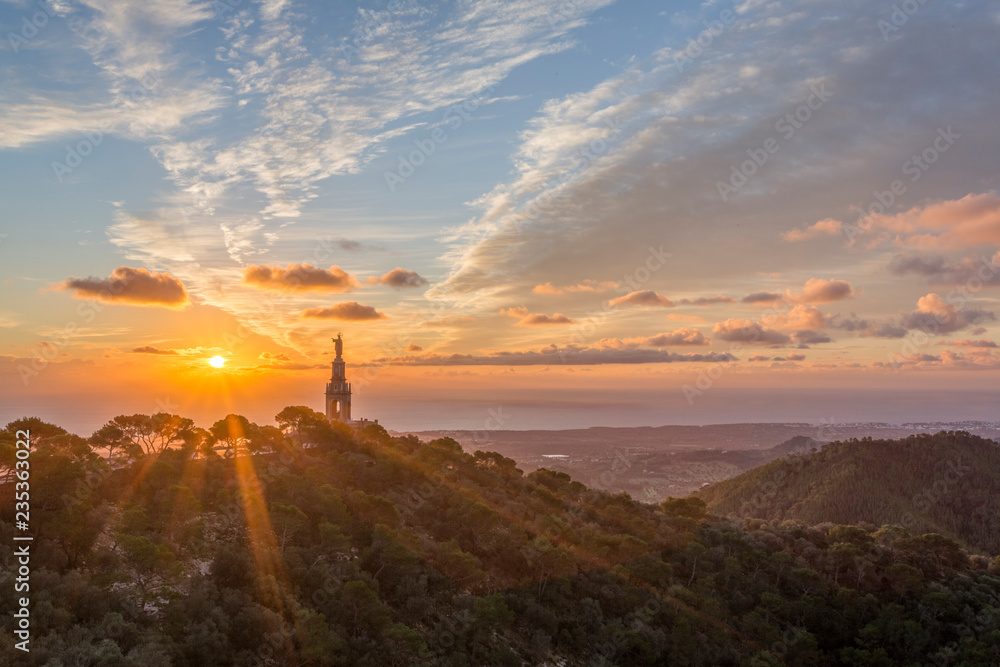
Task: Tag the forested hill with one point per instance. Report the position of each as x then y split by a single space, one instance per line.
364 549
947 483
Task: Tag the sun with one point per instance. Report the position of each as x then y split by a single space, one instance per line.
217 362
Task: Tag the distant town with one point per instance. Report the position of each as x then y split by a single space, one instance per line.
652 463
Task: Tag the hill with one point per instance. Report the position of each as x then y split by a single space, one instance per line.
367 549
945 483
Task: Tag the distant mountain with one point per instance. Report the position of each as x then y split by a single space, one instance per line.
947 483
800 444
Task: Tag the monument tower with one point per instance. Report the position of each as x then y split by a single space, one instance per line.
338 389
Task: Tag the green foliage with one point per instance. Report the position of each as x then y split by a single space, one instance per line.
943 483
378 550
691 508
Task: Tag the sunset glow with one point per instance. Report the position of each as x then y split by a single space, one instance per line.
582 196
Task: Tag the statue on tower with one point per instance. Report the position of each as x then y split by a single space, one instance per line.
339 344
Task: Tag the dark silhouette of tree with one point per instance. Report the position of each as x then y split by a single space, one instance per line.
236 434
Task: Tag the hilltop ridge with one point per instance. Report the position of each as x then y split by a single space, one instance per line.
945 483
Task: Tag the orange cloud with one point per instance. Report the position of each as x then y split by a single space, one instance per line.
299 278
348 311
827 227
584 286
970 221
643 298
684 336
399 278
799 318
817 290
131 286
535 319
935 315
148 349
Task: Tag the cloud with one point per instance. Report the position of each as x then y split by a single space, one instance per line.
142 92
965 342
810 337
975 271
554 355
399 278
347 311
763 298
592 286
799 318
971 221
866 328
534 319
268 356
922 265
707 300
827 227
935 316
818 290
642 298
299 278
131 286
413 347
326 111
682 129
678 337
748 331
148 349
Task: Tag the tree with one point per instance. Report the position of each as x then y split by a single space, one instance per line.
138 429
269 439
152 566
112 438
40 430
691 507
169 430
299 422
150 434
236 434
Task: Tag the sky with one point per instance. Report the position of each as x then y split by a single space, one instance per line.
519 214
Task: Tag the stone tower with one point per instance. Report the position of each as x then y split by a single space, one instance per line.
338 389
